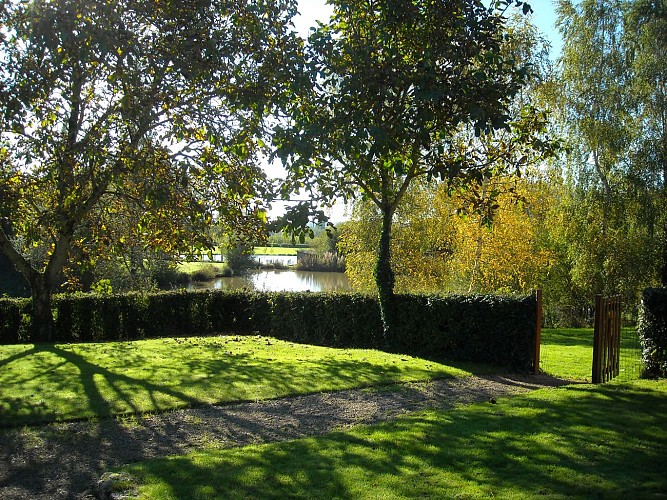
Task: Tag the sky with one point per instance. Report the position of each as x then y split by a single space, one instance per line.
544 17
310 11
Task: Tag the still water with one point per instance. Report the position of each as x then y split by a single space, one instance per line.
279 281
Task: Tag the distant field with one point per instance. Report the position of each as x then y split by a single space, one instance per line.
194 267
276 250
265 250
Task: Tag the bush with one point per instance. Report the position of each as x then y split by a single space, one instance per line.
479 328
204 273
240 259
15 320
653 331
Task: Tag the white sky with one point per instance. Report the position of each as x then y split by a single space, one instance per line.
311 11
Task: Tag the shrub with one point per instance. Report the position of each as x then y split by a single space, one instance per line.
15 320
653 331
240 259
204 273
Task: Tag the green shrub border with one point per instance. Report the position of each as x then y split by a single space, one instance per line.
653 331
478 328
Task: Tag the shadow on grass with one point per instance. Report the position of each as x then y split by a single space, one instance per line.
587 442
100 380
18 411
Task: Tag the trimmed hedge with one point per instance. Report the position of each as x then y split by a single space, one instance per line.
478 328
653 331
15 320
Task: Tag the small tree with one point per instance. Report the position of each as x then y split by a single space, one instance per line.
394 83
239 258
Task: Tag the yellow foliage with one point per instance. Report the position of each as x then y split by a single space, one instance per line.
436 250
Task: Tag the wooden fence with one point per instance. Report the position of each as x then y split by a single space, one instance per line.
606 339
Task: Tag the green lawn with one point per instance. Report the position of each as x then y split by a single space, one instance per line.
577 441
52 382
210 269
568 353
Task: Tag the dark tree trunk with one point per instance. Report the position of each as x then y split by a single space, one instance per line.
663 158
384 279
663 270
42 315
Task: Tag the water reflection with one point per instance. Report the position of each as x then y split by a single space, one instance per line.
279 281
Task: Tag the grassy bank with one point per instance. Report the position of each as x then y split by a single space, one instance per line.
202 271
53 382
572 442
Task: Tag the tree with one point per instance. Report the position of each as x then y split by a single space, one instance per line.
422 243
595 76
646 42
607 232
97 96
393 83
435 250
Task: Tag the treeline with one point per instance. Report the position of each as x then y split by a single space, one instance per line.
591 220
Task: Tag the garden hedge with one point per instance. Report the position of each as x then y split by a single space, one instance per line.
478 328
653 331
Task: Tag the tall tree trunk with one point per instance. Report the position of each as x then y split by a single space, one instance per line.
42 315
480 241
663 264
385 278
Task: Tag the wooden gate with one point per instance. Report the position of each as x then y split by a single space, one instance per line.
607 338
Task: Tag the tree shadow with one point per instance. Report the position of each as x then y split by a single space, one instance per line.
584 447
20 412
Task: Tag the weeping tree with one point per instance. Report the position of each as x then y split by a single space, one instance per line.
394 84
141 113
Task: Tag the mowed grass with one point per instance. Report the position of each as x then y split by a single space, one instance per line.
568 353
54 382
578 441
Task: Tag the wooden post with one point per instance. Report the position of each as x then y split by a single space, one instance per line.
606 339
595 376
617 334
538 330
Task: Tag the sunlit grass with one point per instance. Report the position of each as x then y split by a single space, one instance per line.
47 382
572 442
568 353
198 267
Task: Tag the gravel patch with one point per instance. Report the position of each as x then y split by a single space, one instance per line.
64 460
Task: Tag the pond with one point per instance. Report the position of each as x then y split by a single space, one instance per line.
279 281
